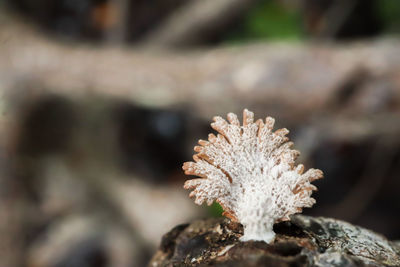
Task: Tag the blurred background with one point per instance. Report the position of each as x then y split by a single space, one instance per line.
101 101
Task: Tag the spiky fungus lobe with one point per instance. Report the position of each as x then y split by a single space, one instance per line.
250 171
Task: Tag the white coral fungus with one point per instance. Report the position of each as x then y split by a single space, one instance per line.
250 171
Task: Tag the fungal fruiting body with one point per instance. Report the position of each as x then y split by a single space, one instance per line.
250 171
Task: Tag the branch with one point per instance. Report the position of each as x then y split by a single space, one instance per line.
276 79
196 21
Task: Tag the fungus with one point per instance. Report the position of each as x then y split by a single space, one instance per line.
250 171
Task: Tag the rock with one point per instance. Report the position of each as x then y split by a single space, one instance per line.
304 241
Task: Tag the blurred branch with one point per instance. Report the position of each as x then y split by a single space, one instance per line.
335 17
196 21
117 33
280 80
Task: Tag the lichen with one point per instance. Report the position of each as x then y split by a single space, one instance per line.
334 235
250 171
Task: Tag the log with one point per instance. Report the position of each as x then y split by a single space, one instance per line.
304 241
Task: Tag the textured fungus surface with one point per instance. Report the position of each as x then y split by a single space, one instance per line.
304 241
250 170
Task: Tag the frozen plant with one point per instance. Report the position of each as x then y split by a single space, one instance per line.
250 171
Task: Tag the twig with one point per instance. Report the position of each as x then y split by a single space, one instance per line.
194 21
